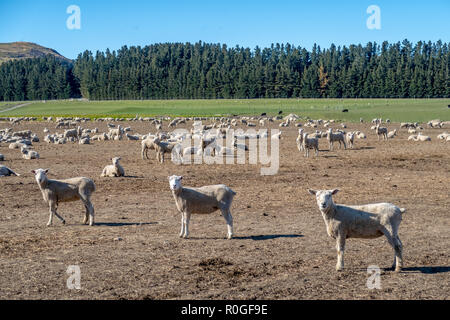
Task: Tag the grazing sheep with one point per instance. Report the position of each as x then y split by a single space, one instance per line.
5 171
113 170
310 143
381 131
55 191
364 221
201 200
333 137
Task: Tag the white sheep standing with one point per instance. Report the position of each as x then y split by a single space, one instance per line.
56 191
350 138
333 137
299 140
203 200
113 170
363 221
310 143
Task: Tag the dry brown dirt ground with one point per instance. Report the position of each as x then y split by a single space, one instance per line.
280 251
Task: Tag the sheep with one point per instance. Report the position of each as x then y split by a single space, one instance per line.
363 221
421 137
381 131
2 157
114 170
443 136
131 137
85 140
310 143
299 140
360 135
71 133
203 200
350 138
5 171
162 147
29 154
332 137
55 191
147 144
392 134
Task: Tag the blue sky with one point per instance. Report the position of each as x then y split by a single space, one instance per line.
112 24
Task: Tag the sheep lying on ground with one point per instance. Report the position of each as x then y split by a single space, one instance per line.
113 170
29 154
55 191
365 221
421 137
5 171
392 134
202 200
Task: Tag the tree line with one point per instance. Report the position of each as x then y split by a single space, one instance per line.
215 71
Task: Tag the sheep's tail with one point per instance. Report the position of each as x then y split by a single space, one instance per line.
402 210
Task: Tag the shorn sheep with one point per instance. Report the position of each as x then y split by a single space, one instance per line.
364 221
56 191
201 200
113 170
5 171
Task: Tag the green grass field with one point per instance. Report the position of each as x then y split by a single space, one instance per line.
395 109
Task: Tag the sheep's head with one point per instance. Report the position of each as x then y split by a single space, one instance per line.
323 197
116 160
175 182
40 175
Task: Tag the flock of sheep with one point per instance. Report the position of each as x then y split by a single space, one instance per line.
342 222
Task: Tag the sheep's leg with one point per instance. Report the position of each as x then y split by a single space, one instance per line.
229 219
89 210
398 247
395 243
53 205
340 247
187 218
182 225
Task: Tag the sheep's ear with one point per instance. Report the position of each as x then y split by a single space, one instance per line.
33 172
46 170
312 191
334 191
181 177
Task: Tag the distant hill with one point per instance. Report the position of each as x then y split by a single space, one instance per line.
23 50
